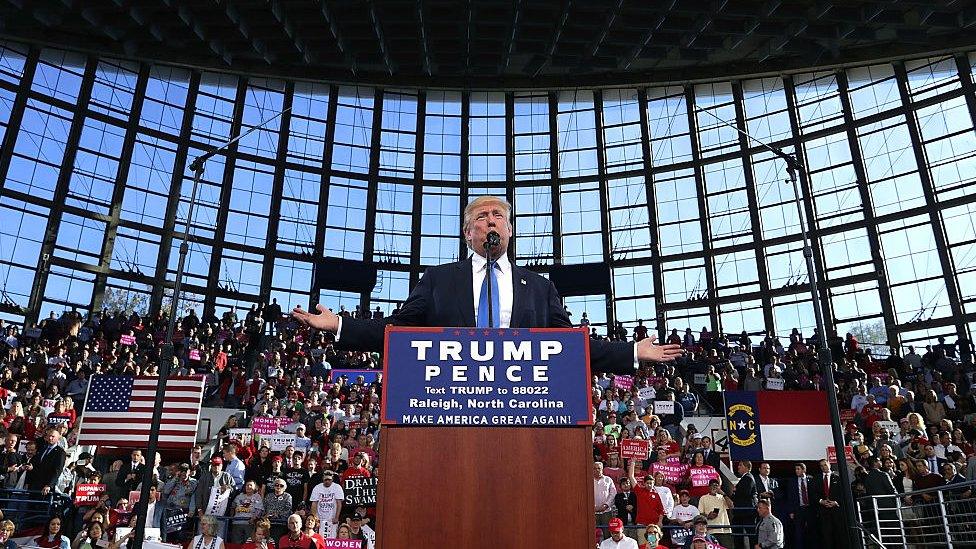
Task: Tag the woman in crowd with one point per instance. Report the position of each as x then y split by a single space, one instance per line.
207 538
6 532
311 529
89 537
261 539
52 538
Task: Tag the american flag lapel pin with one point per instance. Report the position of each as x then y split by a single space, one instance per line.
522 280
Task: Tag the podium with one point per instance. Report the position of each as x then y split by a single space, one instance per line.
518 472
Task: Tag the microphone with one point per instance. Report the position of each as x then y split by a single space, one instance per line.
492 240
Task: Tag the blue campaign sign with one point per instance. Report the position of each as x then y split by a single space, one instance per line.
499 377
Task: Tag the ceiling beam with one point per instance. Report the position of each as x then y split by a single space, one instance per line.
635 52
424 46
301 45
510 43
374 16
560 25
340 43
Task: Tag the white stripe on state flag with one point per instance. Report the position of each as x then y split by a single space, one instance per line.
795 442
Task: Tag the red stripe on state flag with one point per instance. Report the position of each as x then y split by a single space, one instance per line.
793 407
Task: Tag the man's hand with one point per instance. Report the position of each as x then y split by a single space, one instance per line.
647 350
326 320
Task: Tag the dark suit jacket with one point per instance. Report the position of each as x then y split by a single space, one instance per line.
769 485
127 470
745 494
792 496
443 297
878 483
836 494
47 470
714 459
621 501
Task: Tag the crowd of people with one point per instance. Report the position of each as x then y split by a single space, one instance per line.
909 420
235 489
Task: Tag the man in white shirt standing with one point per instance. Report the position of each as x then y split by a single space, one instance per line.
326 502
603 493
617 539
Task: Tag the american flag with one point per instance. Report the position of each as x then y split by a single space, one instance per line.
118 411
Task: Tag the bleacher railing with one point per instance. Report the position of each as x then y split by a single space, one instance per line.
944 516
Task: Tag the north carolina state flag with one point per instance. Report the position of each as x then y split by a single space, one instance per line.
777 425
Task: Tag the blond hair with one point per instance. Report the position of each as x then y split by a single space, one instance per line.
480 201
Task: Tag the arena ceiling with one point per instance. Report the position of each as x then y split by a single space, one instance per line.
497 44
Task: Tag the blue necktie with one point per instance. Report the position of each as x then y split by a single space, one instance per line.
483 300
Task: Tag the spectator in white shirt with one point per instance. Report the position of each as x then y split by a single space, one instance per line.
684 512
617 539
603 493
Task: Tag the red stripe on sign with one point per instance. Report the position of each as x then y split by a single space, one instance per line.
166 421
793 407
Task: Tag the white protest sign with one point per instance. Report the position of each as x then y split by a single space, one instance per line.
891 426
647 393
279 442
663 407
775 383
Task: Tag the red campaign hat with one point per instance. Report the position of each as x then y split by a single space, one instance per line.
616 525
277 458
217 460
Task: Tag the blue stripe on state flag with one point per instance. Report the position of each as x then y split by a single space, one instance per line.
742 414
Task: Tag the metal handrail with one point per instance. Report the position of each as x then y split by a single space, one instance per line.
942 515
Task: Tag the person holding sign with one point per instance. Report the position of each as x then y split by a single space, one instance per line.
327 500
450 295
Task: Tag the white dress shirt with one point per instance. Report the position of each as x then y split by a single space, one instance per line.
503 275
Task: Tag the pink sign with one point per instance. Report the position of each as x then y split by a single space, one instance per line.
194 354
634 448
343 543
701 475
673 474
623 382
127 339
264 425
654 380
284 422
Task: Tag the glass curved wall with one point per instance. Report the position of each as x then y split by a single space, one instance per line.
696 221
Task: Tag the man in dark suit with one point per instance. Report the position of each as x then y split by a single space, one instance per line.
47 464
745 496
451 295
626 502
711 455
130 475
799 512
828 494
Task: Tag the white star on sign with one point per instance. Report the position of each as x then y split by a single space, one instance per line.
742 425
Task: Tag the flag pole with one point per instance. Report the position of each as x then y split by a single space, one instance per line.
166 350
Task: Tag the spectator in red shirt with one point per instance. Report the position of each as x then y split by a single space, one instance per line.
295 538
357 469
650 509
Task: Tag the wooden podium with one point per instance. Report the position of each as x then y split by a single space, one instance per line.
485 487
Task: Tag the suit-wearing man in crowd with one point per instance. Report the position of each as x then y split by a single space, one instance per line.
767 486
830 516
744 496
130 475
451 295
799 511
47 464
